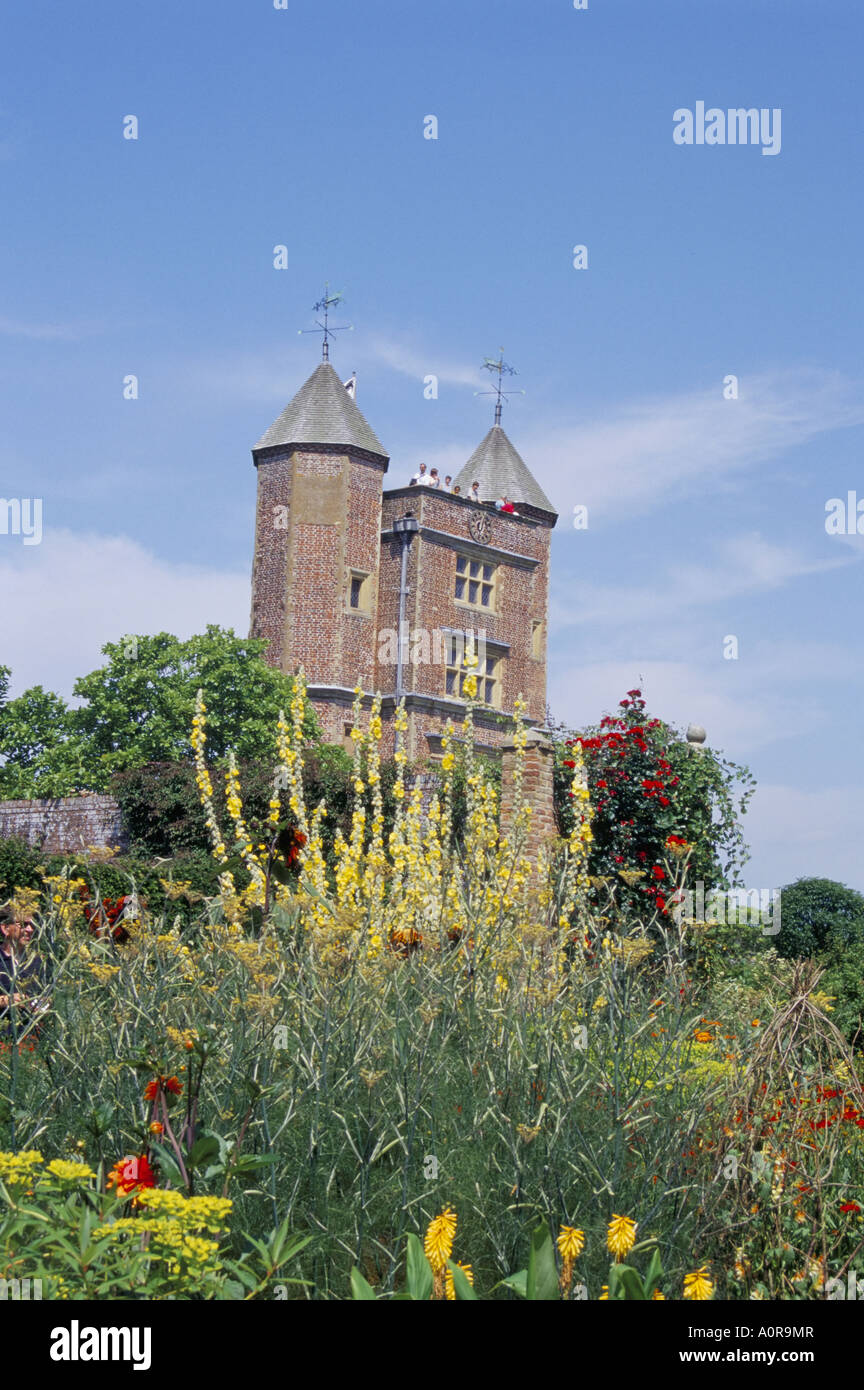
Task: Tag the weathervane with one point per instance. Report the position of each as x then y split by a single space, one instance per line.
499 367
324 306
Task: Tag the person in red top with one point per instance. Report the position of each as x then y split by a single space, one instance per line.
505 505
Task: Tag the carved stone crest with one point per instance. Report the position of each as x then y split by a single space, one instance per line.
480 527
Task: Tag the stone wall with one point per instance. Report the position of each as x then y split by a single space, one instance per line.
67 824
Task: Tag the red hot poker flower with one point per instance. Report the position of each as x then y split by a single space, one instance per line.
169 1084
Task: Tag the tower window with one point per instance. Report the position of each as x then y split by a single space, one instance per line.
537 641
475 582
359 592
487 671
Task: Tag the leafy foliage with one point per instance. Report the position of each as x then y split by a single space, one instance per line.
818 913
646 784
137 709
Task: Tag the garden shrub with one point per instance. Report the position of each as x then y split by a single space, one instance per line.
818 913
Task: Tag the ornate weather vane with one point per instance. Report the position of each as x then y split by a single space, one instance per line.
323 307
500 368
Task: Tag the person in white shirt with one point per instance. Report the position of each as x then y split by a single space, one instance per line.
447 481
420 476
434 480
475 492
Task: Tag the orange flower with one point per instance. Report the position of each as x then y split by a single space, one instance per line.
162 1083
131 1175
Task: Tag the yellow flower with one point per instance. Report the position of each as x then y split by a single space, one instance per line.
65 1168
621 1236
438 1243
449 1289
571 1242
657 1296
18 1168
698 1285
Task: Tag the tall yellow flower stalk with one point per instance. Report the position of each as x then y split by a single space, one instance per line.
203 780
376 867
289 770
233 800
575 879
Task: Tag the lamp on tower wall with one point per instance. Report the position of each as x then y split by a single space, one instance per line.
406 528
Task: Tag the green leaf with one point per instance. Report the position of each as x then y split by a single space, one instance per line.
248 1163
205 1147
461 1285
542 1283
631 1282
653 1274
418 1271
518 1282
169 1167
359 1287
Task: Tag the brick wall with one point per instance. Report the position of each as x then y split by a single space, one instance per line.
519 549
318 521
538 790
65 825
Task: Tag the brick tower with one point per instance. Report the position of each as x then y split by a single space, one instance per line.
317 543
344 587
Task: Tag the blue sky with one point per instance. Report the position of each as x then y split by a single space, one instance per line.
304 127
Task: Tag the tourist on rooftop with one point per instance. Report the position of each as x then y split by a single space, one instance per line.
475 492
434 480
504 504
447 481
457 491
420 476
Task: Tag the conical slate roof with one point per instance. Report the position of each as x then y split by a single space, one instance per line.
501 471
322 412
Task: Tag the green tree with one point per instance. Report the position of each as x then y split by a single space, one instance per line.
137 708
37 756
818 914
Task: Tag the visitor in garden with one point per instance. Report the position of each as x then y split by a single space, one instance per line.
20 970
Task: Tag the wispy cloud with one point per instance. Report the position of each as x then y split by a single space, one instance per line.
742 564
43 332
647 450
419 363
738 719
642 453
